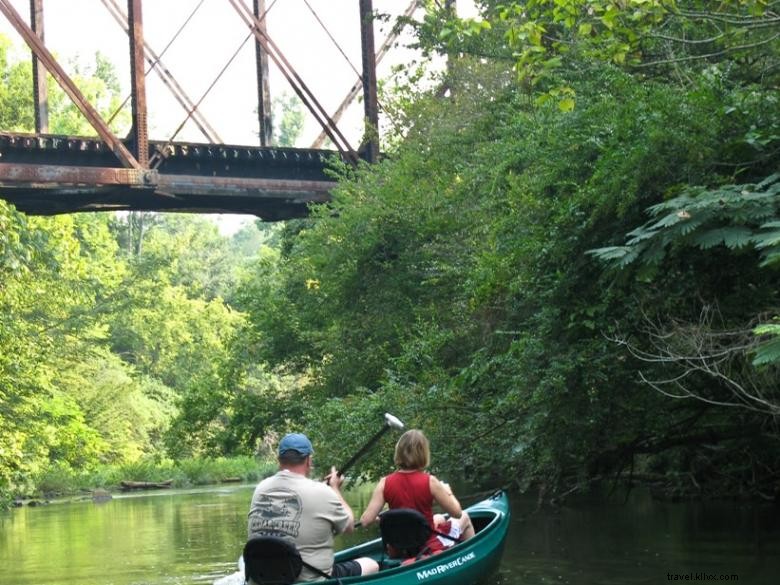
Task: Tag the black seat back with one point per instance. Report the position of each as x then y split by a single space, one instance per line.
270 560
404 532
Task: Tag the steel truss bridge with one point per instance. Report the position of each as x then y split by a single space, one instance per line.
46 174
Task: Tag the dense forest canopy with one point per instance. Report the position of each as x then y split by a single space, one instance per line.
564 270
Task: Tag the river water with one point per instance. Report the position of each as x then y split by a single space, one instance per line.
195 536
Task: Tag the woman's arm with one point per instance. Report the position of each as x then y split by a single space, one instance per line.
375 505
442 495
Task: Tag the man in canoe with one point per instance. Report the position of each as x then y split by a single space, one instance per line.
411 487
290 505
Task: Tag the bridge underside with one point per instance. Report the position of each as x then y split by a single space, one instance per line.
48 175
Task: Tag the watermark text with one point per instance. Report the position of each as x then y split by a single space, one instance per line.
701 576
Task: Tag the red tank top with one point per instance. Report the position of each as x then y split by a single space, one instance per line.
412 490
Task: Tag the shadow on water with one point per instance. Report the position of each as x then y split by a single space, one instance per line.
642 542
195 536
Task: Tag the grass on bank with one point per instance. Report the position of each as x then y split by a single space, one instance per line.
61 480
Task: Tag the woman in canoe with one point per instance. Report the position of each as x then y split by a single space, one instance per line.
411 487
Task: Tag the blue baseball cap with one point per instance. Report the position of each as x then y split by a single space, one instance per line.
296 442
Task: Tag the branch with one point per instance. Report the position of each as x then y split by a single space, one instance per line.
735 19
686 41
725 51
721 356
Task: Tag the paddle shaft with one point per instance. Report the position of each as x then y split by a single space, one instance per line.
343 469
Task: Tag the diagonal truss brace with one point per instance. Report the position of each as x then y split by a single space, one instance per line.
297 84
358 85
154 61
67 84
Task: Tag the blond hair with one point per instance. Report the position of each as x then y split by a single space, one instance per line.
412 451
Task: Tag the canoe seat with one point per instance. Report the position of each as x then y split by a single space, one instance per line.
271 560
404 532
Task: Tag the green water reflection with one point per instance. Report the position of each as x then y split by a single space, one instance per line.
643 542
194 537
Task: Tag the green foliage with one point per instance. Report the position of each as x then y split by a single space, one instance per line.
60 479
666 39
16 112
735 216
769 351
111 327
129 412
97 82
289 119
180 250
69 296
450 284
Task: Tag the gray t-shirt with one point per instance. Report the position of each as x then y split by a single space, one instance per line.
307 512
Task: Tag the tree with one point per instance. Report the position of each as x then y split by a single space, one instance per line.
738 218
51 302
288 110
662 38
451 281
97 81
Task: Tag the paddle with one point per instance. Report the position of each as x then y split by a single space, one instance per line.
391 422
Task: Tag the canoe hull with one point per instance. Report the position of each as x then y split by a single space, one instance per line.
463 564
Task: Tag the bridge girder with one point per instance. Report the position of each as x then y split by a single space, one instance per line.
45 174
48 175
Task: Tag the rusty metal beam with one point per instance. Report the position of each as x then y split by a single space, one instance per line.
300 88
17 175
263 85
65 178
370 104
358 85
196 185
70 88
40 88
155 63
53 189
210 160
139 130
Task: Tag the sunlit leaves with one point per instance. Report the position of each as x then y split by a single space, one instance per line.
651 36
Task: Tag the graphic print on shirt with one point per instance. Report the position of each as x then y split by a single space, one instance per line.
277 514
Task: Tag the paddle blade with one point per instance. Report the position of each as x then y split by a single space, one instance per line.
393 422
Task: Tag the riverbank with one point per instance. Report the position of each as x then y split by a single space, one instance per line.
60 481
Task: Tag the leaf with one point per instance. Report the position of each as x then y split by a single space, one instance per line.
641 234
731 237
691 225
566 104
770 259
768 353
669 220
609 252
768 181
768 329
767 239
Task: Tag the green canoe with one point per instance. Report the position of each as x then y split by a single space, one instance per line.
462 564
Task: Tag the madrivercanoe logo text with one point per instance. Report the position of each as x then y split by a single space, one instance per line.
439 569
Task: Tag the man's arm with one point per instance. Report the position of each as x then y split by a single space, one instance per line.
334 480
